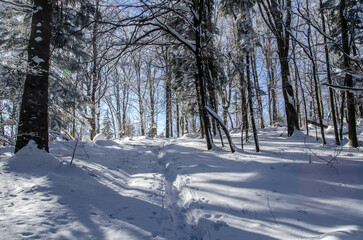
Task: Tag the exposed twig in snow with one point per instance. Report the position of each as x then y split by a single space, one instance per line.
329 162
74 151
272 214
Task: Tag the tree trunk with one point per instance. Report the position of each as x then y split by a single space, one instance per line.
280 27
177 118
140 98
95 74
348 80
168 110
257 88
200 76
250 103
331 93
33 119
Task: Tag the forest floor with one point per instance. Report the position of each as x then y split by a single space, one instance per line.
140 188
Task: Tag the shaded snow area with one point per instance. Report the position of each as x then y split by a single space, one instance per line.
140 188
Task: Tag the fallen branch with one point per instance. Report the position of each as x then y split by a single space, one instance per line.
215 116
316 124
344 88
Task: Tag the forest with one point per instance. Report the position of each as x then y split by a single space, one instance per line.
181 119
167 68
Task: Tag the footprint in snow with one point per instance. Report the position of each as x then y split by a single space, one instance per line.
25 234
46 199
47 223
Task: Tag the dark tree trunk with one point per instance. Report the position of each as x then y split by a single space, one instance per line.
33 119
250 103
168 110
200 78
177 118
257 88
279 23
348 81
95 75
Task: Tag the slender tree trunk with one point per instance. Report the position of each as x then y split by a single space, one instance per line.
200 76
257 88
250 103
244 105
342 107
33 119
150 78
177 118
95 74
140 97
297 80
305 106
168 110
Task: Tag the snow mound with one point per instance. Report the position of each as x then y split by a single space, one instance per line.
190 136
330 129
30 159
106 143
346 233
297 135
99 136
86 138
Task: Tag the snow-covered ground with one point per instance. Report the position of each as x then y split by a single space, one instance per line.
139 188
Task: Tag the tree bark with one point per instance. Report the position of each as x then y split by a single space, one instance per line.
280 27
257 89
348 80
250 103
33 119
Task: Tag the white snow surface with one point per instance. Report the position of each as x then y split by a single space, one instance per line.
38 39
141 188
37 59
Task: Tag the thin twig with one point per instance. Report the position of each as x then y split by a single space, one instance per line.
74 151
272 214
329 162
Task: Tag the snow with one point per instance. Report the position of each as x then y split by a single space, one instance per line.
143 188
38 39
39 24
37 59
39 8
99 136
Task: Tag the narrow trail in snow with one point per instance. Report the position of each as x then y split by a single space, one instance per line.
179 199
172 211
167 184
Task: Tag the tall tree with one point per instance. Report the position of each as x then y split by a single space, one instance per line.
348 80
33 120
328 72
277 15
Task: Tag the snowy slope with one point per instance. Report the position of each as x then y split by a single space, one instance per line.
139 188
